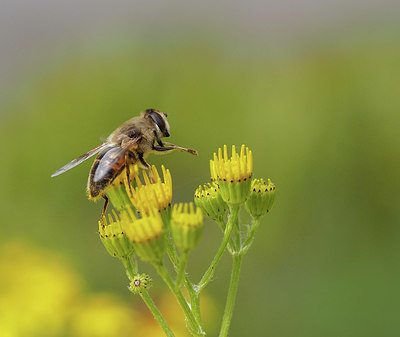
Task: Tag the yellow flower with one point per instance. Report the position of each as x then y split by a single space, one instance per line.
102 315
233 174
186 226
156 194
37 290
146 234
236 169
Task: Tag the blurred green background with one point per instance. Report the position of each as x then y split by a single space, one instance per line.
320 111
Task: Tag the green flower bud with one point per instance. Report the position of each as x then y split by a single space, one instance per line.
114 239
186 226
261 197
140 283
209 199
233 175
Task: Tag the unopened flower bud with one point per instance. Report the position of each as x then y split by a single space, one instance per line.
114 239
140 283
261 197
209 199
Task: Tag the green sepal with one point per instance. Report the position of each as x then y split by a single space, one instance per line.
166 218
118 195
186 238
234 192
152 251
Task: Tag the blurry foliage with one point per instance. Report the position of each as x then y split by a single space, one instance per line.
323 123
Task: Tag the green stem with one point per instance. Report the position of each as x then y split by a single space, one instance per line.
131 268
171 251
230 301
181 268
234 218
208 275
156 313
194 300
131 271
250 238
230 243
195 327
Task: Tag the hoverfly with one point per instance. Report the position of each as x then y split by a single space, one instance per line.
129 144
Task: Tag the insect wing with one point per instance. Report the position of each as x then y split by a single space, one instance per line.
108 163
112 160
80 159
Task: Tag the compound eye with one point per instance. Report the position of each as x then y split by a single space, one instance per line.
159 121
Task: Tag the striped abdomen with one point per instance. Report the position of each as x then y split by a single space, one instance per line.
108 164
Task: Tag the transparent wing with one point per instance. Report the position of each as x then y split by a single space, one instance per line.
80 159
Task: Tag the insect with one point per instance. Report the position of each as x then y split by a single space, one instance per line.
129 144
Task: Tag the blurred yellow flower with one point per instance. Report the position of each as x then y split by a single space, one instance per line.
40 296
102 315
36 290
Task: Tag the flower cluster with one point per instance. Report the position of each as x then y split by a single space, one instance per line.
146 219
145 225
146 222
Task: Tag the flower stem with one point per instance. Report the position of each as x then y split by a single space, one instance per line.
194 300
131 271
130 268
250 238
208 275
181 269
234 218
156 313
230 301
195 328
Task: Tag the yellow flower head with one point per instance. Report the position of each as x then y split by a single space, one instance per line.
233 175
146 228
186 226
121 178
146 234
236 169
113 237
153 195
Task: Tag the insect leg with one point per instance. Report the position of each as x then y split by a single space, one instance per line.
128 173
145 165
171 147
104 207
